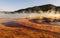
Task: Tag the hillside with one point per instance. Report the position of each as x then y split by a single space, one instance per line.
37 9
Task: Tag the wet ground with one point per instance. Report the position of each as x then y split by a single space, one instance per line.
28 29
44 22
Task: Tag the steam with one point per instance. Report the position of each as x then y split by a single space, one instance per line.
53 15
47 14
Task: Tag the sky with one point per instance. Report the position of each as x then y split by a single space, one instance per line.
12 5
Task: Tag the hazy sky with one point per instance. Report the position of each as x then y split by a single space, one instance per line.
11 5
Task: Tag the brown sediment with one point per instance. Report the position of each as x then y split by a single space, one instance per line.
25 29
